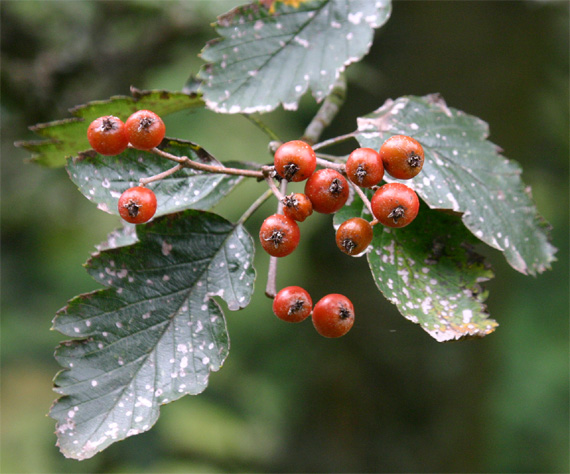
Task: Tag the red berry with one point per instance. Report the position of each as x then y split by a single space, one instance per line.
145 130
364 167
333 315
107 135
137 205
279 235
292 304
403 157
297 206
395 205
354 236
295 160
328 190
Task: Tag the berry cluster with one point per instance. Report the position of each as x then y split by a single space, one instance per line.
109 136
332 316
326 192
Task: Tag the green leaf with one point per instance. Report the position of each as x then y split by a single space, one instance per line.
466 173
154 334
102 179
66 138
266 58
430 271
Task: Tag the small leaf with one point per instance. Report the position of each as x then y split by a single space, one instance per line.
66 138
155 334
266 58
466 173
102 179
430 271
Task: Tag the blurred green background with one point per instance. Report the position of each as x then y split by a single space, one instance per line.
385 398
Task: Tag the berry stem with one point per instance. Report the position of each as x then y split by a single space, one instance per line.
362 196
159 176
328 163
327 112
335 140
273 188
188 163
254 207
271 287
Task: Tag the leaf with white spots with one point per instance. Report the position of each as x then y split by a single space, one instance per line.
154 334
102 179
67 137
430 271
265 58
466 173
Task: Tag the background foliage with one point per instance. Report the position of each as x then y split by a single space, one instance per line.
386 398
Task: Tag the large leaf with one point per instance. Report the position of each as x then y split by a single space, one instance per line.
430 271
155 334
266 58
466 173
65 138
102 179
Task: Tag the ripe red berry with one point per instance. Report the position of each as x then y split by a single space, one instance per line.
328 190
395 205
354 236
295 160
297 206
364 167
403 157
137 205
292 304
145 130
279 235
107 135
333 315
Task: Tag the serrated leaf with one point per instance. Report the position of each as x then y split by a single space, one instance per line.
466 173
66 138
267 58
430 271
154 334
102 179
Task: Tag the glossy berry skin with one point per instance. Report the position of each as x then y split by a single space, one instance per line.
297 206
364 167
295 160
145 130
279 235
137 205
292 304
333 315
402 156
395 205
354 236
107 135
328 190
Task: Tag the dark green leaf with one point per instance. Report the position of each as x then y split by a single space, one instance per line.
466 173
430 271
266 58
102 179
66 138
154 334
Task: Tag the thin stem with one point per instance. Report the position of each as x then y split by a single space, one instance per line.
188 163
330 164
335 140
263 127
273 188
363 196
327 112
254 207
271 287
159 176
